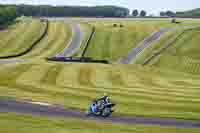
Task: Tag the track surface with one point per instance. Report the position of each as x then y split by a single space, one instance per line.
75 42
9 105
141 46
148 41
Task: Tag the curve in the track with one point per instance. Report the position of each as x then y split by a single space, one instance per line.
75 42
148 41
141 46
10 105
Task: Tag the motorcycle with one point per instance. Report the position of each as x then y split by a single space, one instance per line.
100 107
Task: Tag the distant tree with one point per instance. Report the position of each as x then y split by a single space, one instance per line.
162 14
170 14
143 13
135 13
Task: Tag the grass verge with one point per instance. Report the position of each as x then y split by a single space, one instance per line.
18 123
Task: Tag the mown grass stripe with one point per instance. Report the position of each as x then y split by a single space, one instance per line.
46 42
183 55
12 33
52 74
56 39
7 45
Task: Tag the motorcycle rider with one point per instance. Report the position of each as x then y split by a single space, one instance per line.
103 101
101 106
100 102
105 98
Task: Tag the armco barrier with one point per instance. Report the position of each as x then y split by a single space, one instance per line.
32 46
77 59
88 41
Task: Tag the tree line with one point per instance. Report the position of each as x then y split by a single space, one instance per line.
137 13
75 11
167 14
195 13
143 13
7 14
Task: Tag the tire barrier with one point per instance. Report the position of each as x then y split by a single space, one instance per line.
33 45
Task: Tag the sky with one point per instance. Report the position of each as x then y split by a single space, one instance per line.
151 6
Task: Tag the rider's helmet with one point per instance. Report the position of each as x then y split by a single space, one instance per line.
106 98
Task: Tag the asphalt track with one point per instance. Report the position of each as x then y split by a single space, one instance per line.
22 107
75 42
147 42
141 46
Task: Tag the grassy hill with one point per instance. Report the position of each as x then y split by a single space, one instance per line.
131 86
155 46
167 87
111 42
57 38
167 94
20 36
23 34
183 55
